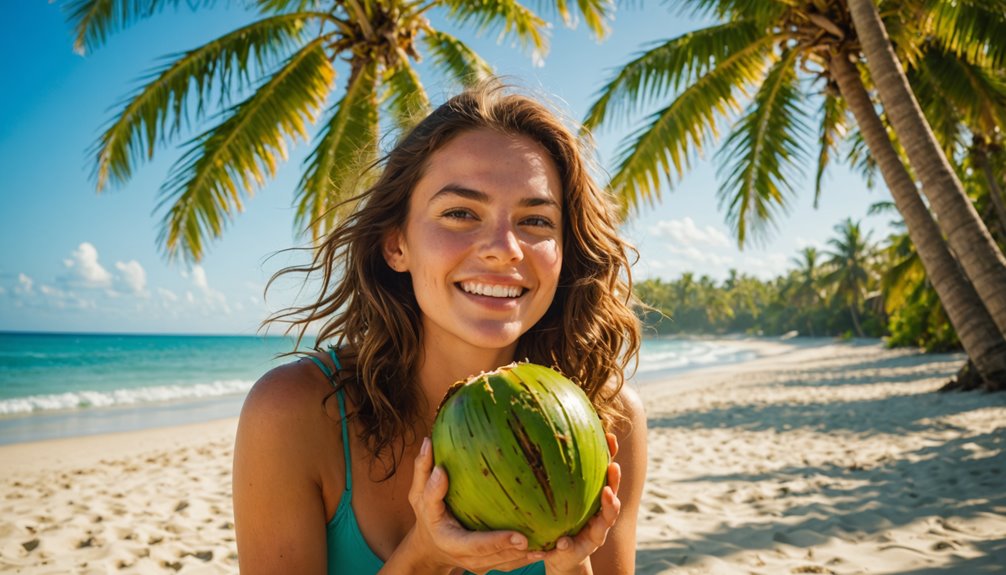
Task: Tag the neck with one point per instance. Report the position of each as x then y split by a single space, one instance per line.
440 367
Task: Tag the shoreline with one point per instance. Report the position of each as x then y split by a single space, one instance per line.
67 423
827 458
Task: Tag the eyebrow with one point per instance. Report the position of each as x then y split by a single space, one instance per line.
482 197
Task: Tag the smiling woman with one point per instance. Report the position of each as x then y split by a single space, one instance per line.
483 240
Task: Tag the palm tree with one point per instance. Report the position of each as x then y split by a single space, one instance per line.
849 265
805 292
777 51
284 65
981 259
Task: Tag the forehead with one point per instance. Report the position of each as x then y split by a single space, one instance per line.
492 162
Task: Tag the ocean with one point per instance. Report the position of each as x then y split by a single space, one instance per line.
60 385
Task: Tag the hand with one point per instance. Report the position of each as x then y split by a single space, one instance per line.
443 541
572 554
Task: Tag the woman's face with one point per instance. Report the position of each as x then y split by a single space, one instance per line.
482 240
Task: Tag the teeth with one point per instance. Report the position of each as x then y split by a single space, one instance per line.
491 290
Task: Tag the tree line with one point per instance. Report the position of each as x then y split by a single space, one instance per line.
854 287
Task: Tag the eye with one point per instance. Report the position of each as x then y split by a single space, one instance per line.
538 222
459 214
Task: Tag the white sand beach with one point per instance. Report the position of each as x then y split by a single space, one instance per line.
819 457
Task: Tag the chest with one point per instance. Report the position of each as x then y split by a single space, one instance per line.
382 508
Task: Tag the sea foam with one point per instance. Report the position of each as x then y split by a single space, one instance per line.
118 397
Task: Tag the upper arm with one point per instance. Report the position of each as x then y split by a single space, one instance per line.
618 554
279 513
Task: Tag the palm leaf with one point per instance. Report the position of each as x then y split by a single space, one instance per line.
683 128
971 29
507 16
157 111
94 20
764 153
834 124
976 92
456 58
405 95
766 13
595 13
233 158
348 141
668 66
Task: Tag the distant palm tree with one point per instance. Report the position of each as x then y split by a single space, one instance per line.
284 65
849 264
782 53
806 291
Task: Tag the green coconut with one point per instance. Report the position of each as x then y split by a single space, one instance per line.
524 450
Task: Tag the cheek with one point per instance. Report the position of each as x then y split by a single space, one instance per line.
548 255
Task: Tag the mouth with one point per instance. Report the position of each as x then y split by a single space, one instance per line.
492 290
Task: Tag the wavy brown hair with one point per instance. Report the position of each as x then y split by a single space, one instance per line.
590 332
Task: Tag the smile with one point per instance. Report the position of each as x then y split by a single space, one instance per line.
489 290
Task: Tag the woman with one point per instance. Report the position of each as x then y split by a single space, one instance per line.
483 240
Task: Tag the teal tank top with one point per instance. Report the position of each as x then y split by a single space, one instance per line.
348 552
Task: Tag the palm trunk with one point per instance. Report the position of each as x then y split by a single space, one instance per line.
982 341
855 321
969 239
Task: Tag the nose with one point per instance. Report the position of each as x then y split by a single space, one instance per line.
502 245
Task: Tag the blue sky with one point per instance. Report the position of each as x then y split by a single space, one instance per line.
74 260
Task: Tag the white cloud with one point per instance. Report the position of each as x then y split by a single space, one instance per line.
85 267
685 232
133 276
199 277
167 295
25 284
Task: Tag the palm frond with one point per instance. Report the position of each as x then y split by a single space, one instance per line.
667 67
506 16
764 153
683 128
764 12
157 111
94 20
861 159
977 93
456 58
834 125
971 29
596 14
405 95
348 141
233 158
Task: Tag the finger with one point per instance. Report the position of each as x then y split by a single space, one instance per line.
491 548
612 444
436 488
614 476
421 473
611 506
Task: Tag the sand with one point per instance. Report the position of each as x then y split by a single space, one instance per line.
820 457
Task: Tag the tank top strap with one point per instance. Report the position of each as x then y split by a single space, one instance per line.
340 395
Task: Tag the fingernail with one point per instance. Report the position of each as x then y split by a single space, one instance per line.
437 475
563 544
517 540
425 447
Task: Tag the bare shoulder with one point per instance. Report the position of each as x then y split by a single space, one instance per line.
279 474
285 417
631 407
284 391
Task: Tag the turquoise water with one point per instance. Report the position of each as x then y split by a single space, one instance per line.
58 385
